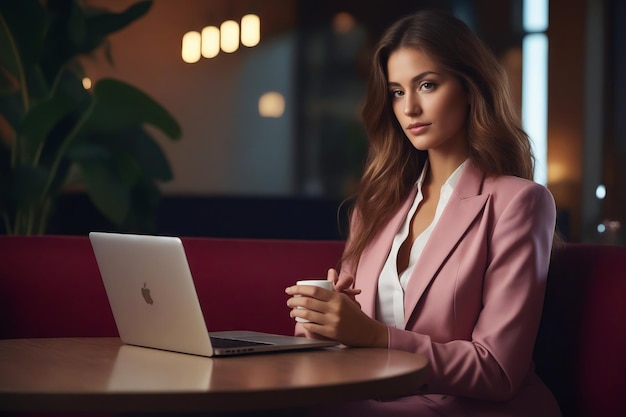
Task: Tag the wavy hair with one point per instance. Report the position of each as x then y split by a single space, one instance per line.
497 143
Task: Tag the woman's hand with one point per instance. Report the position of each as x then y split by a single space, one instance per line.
344 285
335 315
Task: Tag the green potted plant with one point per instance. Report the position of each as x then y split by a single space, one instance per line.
54 132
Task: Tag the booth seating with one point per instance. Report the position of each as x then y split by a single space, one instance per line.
580 351
50 287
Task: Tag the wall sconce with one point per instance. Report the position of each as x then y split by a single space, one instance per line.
271 104
226 38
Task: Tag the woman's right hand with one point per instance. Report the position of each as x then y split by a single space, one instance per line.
334 315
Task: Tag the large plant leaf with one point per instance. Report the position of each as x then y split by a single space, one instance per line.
147 154
134 142
69 83
110 195
87 150
111 173
102 24
38 39
75 30
119 105
22 30
64 36
40 121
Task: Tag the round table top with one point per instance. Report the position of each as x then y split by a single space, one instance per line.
105 375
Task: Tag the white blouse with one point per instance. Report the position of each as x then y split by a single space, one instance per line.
391 285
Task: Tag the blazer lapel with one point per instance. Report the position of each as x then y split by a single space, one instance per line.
375 255
464 205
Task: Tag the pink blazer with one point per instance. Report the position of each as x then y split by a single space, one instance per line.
474 301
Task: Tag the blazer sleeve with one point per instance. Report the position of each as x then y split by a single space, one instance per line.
497 359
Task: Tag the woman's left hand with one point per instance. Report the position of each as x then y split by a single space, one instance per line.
334 315
345 285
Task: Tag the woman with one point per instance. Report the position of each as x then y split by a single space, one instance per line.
450 238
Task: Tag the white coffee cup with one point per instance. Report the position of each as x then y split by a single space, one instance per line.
323 283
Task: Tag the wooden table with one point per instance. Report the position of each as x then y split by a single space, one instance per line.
103 375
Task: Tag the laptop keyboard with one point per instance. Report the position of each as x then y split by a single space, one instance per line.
220 342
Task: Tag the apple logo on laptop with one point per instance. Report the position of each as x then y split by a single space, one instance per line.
145 292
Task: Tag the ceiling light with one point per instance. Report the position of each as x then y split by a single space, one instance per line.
191 47
229 36
210 41
250 30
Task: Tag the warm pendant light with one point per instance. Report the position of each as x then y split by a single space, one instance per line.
210 42
250 30
229 36
191 47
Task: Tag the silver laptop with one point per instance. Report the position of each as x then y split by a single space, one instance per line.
154 302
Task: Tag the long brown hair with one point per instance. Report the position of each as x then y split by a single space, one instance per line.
497 143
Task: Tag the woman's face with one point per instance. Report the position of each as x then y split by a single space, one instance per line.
429 102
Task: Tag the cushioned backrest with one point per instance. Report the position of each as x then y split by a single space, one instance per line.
581 346
50 285
241 282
